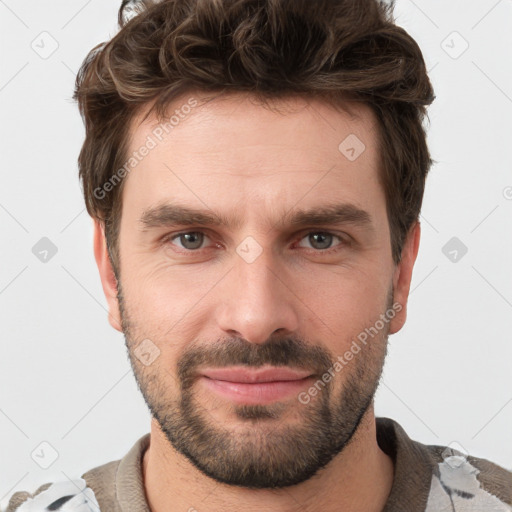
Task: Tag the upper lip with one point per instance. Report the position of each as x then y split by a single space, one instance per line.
242 374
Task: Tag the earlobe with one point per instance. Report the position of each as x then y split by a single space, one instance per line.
107 276
403 275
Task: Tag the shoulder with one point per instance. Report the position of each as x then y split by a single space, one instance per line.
436 478
468 483
97 489
70 495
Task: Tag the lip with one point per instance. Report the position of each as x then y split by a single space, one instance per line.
244 375
262 386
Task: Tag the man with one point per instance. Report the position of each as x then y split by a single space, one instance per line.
256 170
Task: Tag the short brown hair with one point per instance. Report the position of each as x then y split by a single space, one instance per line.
327 49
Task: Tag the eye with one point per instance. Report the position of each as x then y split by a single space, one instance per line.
193 241
321 240
190 241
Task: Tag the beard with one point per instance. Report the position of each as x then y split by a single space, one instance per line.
265 450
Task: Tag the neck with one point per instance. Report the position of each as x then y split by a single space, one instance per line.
358 478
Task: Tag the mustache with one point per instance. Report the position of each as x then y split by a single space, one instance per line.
240 352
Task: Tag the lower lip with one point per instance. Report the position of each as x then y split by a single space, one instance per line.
261 393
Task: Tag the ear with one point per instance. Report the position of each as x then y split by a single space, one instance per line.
108 278
403 275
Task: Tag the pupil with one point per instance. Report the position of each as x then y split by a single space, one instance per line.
321 238
186 239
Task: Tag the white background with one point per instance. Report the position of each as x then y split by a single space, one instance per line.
64 374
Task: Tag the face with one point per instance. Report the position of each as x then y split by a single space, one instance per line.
257 287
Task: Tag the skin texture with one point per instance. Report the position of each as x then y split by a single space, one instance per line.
300 304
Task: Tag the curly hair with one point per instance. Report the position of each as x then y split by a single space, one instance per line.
334 50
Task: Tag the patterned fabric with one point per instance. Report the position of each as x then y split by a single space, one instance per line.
426 479
69 496
458 488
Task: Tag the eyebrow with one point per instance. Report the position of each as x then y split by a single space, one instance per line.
168 215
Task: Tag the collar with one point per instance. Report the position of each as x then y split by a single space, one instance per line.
119 485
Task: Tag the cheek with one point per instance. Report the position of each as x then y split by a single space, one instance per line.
168 303
349 291
154 281
345 303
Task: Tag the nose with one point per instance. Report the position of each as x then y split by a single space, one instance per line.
257 300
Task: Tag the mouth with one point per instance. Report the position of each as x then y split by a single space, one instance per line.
261 386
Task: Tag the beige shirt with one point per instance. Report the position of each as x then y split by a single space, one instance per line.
426 479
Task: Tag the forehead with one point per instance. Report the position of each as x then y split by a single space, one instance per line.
233 151
243 111
287 122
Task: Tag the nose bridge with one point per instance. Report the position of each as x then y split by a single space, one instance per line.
256 300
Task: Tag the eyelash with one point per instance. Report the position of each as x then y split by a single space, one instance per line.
344 241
